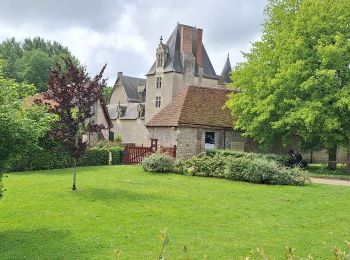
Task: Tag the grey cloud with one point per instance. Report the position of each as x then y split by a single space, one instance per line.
229 25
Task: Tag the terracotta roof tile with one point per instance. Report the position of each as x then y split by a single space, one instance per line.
196 106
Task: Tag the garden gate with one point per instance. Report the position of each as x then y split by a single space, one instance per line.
136 154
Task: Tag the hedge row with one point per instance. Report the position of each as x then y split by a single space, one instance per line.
47 159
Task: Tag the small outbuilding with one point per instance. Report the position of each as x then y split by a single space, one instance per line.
197 120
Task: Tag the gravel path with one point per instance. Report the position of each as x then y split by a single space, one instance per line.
330 181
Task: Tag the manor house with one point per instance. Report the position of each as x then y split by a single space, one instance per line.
180 102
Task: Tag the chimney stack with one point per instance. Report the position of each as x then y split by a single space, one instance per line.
199 48
120 74
186 39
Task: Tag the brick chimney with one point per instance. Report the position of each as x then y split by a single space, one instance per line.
120 74
186 39
198 47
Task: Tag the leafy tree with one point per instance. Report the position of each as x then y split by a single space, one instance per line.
20 126
71 96
296 81
34 67
30 61
107 91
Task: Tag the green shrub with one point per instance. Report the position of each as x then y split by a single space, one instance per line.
202 165
281 159
158 163
263 171
117 155
249 167
94 157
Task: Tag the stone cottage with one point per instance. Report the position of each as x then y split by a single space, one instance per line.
195 121
180 62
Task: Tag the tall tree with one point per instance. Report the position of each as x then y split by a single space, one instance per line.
71 96
296 81
20 126
30 60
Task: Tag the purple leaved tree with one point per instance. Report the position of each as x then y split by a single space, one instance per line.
70 96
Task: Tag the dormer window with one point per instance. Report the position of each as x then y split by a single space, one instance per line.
162 51
159 82
159 60
158 101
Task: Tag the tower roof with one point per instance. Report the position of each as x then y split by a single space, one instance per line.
174 63
226 71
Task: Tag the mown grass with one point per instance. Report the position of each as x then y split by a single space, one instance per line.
121 208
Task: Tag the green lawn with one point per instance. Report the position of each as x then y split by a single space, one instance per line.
122 208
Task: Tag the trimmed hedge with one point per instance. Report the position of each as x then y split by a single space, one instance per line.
255 168
47 159
158 162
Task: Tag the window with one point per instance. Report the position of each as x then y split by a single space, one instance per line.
159 82
159 60
158 101
209 140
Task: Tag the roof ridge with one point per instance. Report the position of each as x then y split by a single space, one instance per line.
125 76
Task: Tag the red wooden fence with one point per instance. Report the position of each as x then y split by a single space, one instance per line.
136 154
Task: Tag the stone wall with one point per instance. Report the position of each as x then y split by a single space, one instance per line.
191 141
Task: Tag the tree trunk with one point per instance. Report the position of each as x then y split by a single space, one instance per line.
311 156
332 157
74 174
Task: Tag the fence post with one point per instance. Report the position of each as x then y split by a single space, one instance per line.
174 151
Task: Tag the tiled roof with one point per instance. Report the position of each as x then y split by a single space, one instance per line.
196 106
173 62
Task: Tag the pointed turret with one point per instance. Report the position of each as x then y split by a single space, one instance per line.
226 71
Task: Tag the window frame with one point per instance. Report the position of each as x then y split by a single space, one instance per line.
158 82
158 101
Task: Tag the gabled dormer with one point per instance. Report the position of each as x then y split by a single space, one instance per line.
161 54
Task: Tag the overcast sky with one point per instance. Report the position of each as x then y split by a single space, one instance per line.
125 33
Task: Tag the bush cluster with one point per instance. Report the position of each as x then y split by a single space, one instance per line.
263 171
158 162
281 159
249 167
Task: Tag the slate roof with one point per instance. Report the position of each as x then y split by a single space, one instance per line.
226 71
173 62
196 106
131 85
